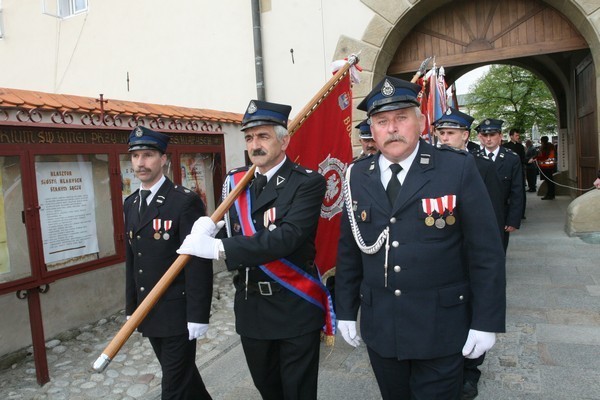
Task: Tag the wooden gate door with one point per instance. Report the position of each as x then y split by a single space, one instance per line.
587 130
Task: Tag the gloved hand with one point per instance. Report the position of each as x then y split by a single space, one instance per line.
478 342
127 317
201 245
207 226
348 331
196 330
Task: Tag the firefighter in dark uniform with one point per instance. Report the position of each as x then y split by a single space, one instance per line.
508 165
158 217
452 129
366 139
411 212
272 228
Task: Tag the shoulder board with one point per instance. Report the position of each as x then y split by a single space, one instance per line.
132 194
239 169
303 170
364 158
509 151
184 190
452 149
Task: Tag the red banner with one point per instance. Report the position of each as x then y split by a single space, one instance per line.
323 143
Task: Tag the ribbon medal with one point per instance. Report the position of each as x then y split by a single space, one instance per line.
428 209
439 207
450 202
269 218
156 226
168 223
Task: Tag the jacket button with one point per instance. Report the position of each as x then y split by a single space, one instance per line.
140 271
139 254
138 237
461 297
142 289
397 292
397 268
393 220
395 243
183 293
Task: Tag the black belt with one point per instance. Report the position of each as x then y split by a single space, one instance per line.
266 288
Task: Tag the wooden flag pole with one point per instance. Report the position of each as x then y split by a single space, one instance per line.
161 286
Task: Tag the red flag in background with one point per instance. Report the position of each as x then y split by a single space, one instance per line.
323 143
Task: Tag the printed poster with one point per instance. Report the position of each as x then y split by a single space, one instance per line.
67 215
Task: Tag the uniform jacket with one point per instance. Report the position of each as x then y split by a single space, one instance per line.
494 187
436 290
508 165
296 195
189 297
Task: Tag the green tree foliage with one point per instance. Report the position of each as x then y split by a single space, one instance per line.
516 96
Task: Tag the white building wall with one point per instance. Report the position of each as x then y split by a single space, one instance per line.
194 53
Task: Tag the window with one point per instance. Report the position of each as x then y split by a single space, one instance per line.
64 8
14 251
1 22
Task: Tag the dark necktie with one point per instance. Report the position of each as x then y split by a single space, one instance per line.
143 204
393 186
259 184
491 156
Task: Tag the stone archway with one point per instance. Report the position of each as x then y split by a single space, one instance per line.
484 32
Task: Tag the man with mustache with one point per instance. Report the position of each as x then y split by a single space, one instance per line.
411 213
271 249
158 217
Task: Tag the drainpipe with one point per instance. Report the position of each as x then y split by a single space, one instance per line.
258 59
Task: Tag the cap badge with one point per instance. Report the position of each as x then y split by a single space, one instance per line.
252 108
138 132
487 122
387 89
448 112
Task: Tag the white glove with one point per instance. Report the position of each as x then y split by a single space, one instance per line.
196 330
127 317
348 331
477 343
207 226
201 245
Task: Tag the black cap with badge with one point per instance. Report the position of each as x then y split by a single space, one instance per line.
265 113
364 130
453 118
490 125
142 138
390 94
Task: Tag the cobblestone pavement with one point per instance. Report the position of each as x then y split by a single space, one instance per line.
134 373
549 351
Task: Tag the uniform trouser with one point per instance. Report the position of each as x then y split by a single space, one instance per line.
284 369
181 379
434 379
471 372
531 178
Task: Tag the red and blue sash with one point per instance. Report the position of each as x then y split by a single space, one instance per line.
284 272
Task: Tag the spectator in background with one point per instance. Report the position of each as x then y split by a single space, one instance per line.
531 171
546 161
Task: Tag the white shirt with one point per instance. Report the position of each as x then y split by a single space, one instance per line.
386 172
495 153
153 190
273 170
